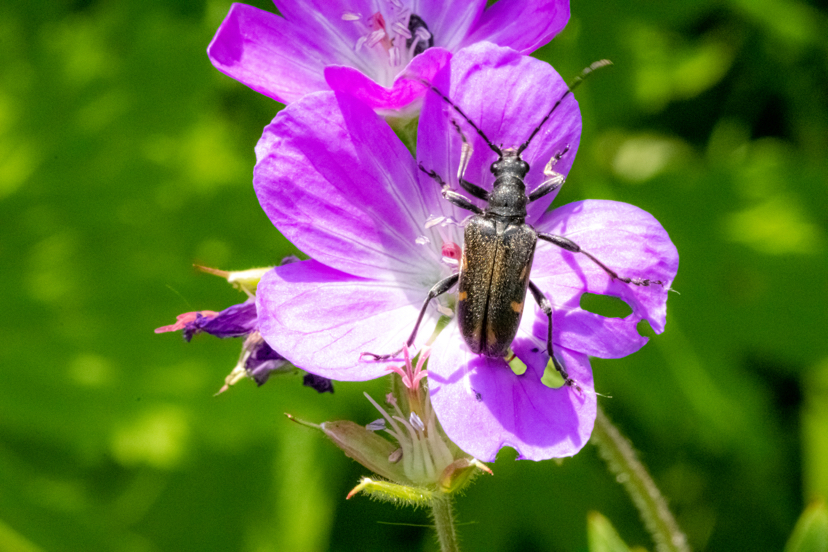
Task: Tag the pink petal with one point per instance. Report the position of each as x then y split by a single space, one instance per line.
339 184
483 406
523 25
406 88
269 54
324 319
507 95
626 239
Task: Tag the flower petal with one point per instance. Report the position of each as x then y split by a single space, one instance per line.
337 182
236 321
450 21
268 54
628 240
483 406
324 319
524 25
406 89
507 95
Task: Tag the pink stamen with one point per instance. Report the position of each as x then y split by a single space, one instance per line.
452 251
182 320
410 375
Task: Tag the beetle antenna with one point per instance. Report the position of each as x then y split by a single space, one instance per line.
482 134
570 88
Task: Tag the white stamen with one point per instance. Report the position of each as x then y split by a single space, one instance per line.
422 240
404 15
433 220
396 456
351 16
394 56
416 421
423 34
376 425
360 42
450 261
401 29
397 3
445 311
375 37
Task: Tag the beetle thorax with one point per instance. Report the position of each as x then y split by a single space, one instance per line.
508 198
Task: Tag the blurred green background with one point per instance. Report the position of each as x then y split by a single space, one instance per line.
125 158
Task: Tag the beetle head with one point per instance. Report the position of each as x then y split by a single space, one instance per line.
510 162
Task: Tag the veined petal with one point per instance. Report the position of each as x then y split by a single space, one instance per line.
449 21
507 96
324 319
524 25
406 88
269 54
628 240
337 182
483 406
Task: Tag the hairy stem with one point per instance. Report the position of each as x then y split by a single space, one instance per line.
622 460
443 515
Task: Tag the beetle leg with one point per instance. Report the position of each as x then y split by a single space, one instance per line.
546 307
465 155
474 190
553 181
438 289
570 245
455 198
461 201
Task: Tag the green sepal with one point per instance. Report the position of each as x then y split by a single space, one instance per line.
460 473
391 492
367 448
243 280
406 130
811 531
602 536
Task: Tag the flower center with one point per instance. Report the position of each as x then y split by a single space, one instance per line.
389 39
424 454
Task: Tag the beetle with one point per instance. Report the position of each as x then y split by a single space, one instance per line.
499 246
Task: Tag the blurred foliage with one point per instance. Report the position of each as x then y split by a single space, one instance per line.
125 158
811 531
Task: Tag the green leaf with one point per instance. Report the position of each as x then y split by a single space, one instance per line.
811 531
602 535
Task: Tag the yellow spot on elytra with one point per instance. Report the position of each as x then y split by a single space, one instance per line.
524 273
517 307
490 335
463 295
465 262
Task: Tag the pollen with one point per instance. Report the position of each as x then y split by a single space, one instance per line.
517 307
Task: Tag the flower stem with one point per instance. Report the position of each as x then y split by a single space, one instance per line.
622 460
441 511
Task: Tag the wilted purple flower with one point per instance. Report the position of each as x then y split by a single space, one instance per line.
257 360
236 321
363 47
338 183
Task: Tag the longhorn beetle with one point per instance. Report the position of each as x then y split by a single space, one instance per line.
499 246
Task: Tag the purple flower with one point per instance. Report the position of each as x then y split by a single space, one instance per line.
258 360
337 182
236 321
363 47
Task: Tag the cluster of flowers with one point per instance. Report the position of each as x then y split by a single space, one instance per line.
336 180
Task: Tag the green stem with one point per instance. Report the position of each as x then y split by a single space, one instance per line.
621 459
441 511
